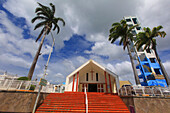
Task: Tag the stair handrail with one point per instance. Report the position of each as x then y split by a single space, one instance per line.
86 99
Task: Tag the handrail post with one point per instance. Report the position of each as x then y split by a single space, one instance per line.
143 90
10 84
20 85
161 91
86 100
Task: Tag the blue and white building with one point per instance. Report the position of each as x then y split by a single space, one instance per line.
148 68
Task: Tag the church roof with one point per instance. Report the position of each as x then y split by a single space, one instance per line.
94 63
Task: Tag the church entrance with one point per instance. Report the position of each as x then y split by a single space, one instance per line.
92 87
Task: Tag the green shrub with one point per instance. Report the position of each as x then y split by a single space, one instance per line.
23 78
32 87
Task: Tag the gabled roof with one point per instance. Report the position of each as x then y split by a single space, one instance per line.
95 63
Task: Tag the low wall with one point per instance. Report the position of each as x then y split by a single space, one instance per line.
148 104
20 102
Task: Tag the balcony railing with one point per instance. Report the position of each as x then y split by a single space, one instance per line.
20 85
144 91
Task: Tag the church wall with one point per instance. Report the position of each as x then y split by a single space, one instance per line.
101 78
69 85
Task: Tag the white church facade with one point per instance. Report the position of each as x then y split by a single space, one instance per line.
93 77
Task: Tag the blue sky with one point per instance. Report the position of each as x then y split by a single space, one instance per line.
84 37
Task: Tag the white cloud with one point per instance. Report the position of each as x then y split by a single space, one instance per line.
59 75
107 49
14 60
9 26
153 13
167 67
123 70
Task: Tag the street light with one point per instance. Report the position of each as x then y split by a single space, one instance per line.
36 101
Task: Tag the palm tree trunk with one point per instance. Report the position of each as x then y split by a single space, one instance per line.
31 71
162 68
133 66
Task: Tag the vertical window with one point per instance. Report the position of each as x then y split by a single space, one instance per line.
86 76
157 71
128 20
133 32
138 28
97 77
148 50
82 87
153 60
134 20
100 88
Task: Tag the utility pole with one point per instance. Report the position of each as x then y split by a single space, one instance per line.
45 70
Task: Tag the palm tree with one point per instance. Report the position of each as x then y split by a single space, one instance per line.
121 30
49 21
147 40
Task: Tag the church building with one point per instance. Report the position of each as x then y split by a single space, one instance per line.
93 77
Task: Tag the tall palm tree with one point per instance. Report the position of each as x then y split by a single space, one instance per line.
147 40
121 30
48 22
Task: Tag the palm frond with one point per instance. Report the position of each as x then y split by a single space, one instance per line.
58 28
38 17
115 24
43 23
59 19
53 8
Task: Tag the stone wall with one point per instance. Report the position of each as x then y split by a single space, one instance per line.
16 101
148 104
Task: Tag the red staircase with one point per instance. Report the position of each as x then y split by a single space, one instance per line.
75 102
63 102
105 103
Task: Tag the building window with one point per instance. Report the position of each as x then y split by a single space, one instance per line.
133 32
134 20
100 88
148 50
128 20
147 68
130 25
86 76
97 77
153 60
157 71
151 77
138 28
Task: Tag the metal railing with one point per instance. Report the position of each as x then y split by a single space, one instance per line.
144 91
86 99
23 85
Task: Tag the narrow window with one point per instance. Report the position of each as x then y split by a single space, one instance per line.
138 28
157 71
128 20
134 20
153 60
133 32
96 76
86 76
148 50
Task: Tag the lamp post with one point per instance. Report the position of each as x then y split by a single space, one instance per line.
45 70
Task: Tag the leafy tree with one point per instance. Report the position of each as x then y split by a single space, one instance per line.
147 40
122 31
23 78
48 22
